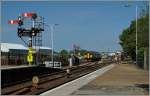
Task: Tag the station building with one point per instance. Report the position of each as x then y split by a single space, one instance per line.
16 54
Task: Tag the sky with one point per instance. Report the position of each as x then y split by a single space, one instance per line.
91 25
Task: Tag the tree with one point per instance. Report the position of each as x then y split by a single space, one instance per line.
64 56
64 53
128 39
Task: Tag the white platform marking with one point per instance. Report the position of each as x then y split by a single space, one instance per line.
92 77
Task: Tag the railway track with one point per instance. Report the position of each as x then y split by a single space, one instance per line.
47 82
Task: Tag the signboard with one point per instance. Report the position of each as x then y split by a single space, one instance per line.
30 58
35 81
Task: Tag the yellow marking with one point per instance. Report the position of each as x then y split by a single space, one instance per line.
88 55
30 58
30 50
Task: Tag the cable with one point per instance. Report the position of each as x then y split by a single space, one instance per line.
24 41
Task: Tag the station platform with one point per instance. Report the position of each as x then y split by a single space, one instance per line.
6 67
115 79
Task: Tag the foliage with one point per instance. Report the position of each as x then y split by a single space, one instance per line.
64 53
128 36
63 56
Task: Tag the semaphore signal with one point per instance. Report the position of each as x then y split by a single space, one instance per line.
13 22
30 25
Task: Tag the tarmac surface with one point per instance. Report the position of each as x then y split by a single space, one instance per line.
115 79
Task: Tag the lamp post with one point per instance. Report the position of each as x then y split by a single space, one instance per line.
136 36
52 42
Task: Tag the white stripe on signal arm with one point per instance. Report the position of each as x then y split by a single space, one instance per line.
25 14
11 22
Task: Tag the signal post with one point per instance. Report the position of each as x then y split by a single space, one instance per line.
33 32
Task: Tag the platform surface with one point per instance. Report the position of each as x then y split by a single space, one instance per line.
15 67
123 79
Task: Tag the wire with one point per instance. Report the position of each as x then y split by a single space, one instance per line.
24 41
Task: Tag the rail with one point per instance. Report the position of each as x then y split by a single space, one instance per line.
50 81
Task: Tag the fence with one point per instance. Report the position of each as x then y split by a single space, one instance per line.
53 64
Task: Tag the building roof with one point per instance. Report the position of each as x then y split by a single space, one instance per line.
6 47
42 47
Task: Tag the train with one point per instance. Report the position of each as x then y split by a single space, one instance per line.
92 56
